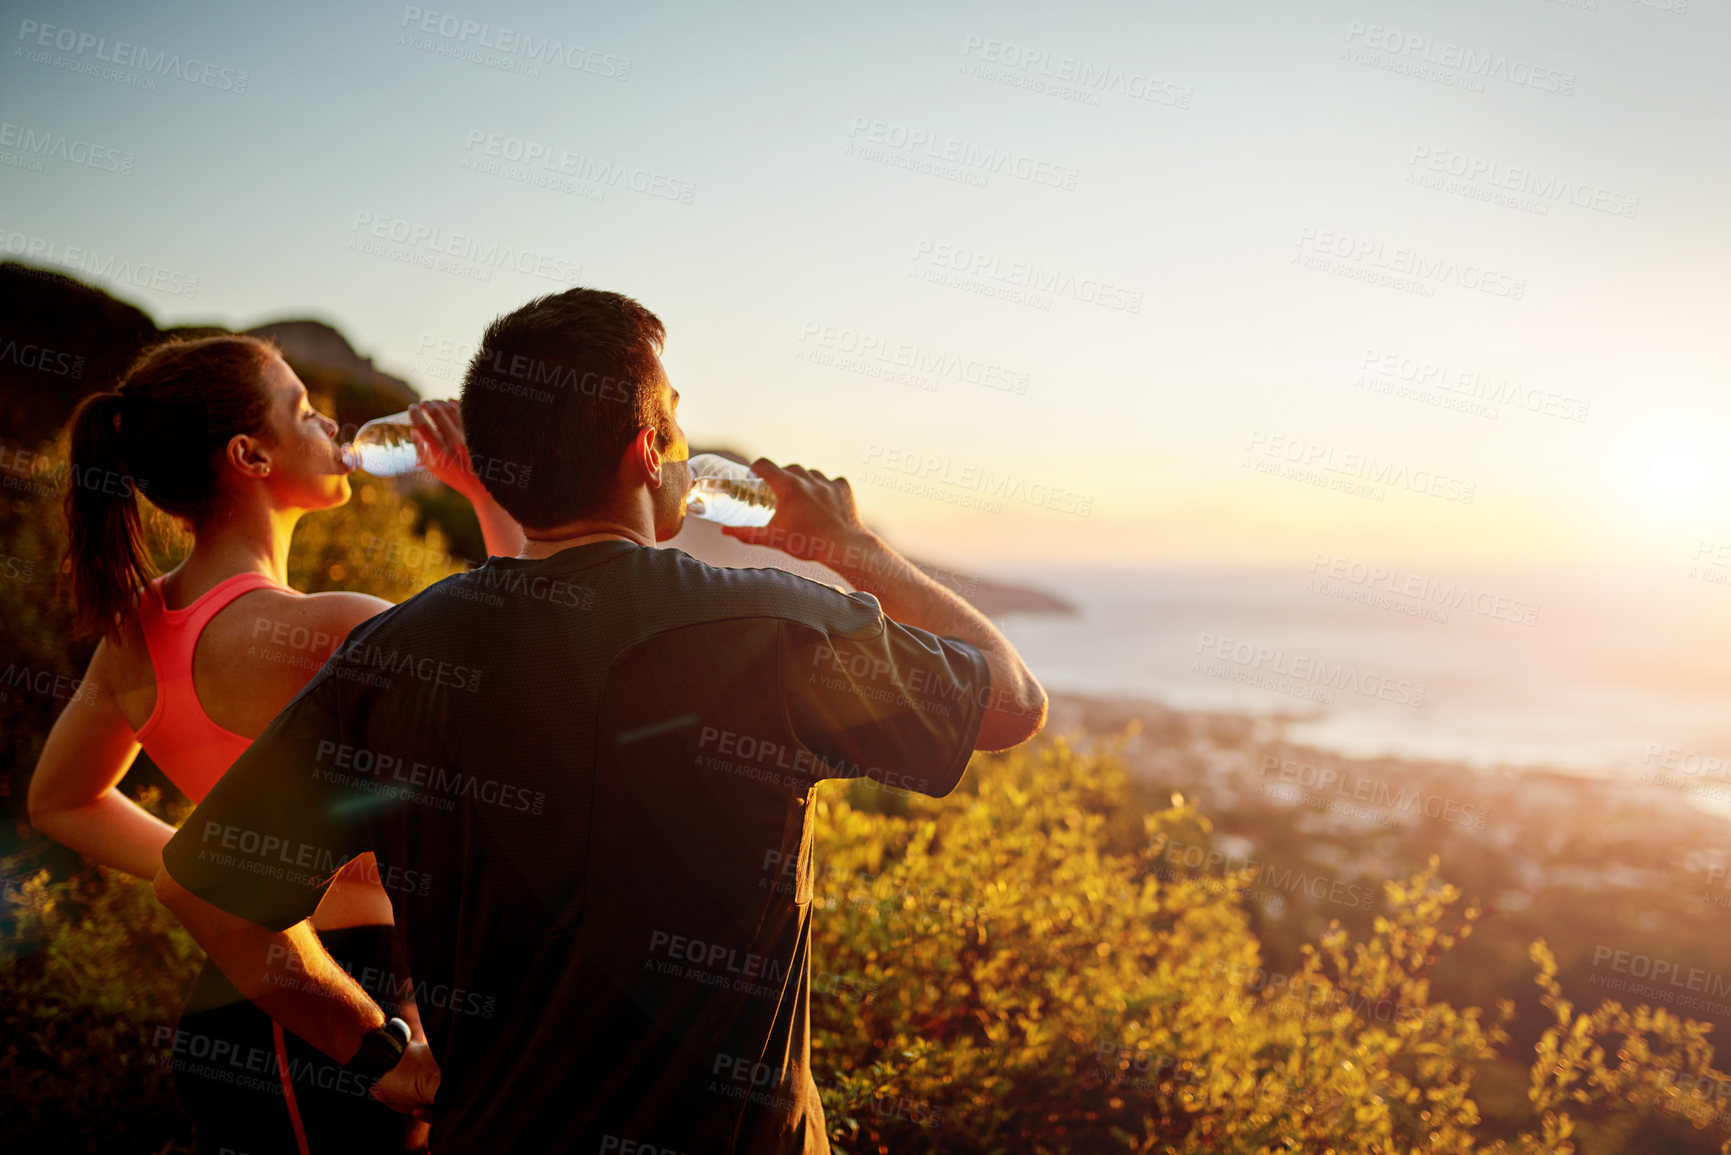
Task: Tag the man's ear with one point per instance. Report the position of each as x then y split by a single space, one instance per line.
247 454
651 456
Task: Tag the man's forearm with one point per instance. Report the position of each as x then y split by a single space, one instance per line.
908 595
288 974
914 599
816 519
295 981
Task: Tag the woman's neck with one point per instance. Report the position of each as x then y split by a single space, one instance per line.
240 541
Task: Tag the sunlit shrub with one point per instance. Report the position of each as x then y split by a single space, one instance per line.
1007 985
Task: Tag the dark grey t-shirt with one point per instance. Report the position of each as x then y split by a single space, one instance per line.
587 780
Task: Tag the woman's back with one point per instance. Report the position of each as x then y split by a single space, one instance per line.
252 645
200 676
200 672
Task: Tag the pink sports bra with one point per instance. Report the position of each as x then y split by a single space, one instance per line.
179 736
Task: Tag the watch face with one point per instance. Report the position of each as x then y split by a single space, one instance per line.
381 1049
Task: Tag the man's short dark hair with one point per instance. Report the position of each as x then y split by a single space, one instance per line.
559 388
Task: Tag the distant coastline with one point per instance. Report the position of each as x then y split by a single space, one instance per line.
1595 866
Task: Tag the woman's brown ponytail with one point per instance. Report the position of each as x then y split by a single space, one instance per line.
105 542
161 434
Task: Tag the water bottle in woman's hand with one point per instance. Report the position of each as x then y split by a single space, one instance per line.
384 447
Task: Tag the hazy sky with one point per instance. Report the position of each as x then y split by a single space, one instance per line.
1226 282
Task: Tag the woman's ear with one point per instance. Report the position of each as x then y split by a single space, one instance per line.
247 455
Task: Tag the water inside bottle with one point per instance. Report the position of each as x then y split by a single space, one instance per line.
729 502
383 449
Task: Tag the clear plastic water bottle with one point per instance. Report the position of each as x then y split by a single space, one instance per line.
384 447
727 492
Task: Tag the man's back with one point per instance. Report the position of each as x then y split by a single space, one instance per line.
587 781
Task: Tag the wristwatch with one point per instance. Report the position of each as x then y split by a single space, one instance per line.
381 1049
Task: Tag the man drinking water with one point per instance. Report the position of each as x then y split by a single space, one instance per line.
596 761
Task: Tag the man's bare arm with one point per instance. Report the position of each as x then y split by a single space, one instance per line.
818 515
320 1002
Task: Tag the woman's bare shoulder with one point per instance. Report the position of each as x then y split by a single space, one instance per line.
331 610
122 662
313 625
344 607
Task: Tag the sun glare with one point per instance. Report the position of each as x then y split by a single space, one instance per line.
1674 474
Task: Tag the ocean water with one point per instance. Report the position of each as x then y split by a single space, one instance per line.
1593 673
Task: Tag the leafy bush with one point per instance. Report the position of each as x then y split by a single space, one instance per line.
92 970
1025 986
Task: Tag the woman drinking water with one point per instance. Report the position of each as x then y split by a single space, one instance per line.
219 433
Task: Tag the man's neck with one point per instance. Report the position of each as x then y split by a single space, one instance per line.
544 543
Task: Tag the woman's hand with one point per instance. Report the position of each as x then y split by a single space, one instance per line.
438 433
